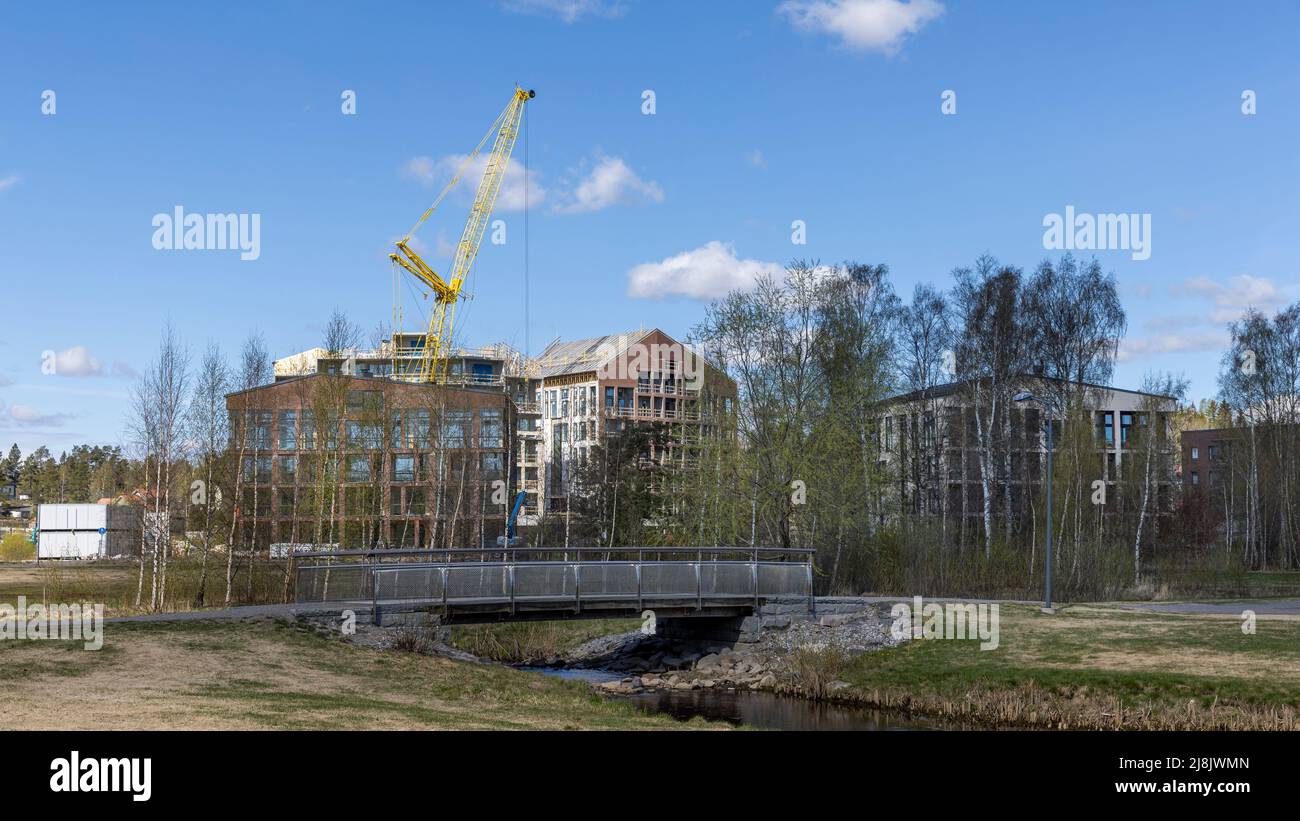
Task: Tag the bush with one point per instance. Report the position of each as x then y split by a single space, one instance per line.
814 667
16 547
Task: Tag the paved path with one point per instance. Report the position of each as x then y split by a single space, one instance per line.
1275 607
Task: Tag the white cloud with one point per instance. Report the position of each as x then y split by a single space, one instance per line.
611 182
1202 341
569 11
757 159
1231 300
6 182
866 25
25 416
511 196
77 361
708 272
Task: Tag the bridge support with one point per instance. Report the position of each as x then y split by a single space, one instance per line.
729 629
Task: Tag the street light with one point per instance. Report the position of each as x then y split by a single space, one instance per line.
1026 396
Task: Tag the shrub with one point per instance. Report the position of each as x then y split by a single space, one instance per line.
16 547
814 667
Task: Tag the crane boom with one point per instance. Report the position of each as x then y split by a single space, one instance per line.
447 292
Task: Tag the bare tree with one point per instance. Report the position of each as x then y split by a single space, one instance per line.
209 431
254 371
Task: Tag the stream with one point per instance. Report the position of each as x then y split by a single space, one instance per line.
750 708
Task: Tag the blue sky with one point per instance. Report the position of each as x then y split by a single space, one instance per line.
766 112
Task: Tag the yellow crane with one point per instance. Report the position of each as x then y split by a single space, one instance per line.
438 340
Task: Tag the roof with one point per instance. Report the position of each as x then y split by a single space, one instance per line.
582 355
949 388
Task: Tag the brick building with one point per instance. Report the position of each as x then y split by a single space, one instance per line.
358 462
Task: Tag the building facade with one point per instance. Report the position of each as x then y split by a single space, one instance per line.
930 446
593 388
365 462
562 403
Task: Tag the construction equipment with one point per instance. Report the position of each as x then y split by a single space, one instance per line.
510 539
447 292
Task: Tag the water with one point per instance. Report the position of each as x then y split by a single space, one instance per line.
750 708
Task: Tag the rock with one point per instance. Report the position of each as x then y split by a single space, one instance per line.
767 682
709 662
834 621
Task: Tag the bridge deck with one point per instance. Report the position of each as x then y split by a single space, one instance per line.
485 590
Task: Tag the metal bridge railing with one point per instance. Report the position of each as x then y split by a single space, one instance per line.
570 580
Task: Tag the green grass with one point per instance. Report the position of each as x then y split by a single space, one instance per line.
1088 661
278 675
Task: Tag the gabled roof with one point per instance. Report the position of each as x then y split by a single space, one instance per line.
949 388
582 355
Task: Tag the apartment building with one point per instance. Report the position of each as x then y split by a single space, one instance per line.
356 461
1204 455
562 402
928 446
594 387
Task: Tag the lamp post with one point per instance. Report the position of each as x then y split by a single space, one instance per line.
1026 396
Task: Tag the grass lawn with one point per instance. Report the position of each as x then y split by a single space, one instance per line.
1092 666
276 675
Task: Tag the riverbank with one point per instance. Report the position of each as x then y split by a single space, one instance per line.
1087 667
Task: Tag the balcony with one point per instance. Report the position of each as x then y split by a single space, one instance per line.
650 414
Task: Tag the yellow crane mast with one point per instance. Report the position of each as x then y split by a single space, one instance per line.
442 319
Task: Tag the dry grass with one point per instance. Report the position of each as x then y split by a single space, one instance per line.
263 675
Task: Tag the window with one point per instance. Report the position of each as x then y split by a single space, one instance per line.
493 465
1125 423
1214 452
1106 428
591 398
609 397
889 433
285 500
403 468
1196 454
551 400
308 437
288 468
1196 478
564 402
359 469
288 439
364 436
455 425
257 469
489 429
417 429
365 401
258 433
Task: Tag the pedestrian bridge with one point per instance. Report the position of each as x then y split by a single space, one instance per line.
466 585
